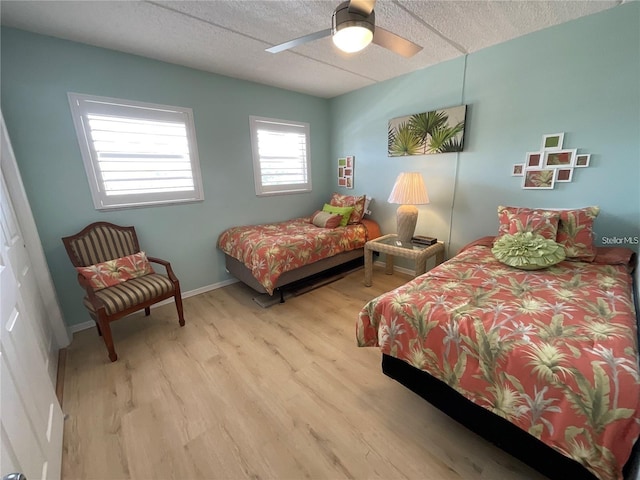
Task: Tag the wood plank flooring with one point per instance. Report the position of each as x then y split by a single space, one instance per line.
246 392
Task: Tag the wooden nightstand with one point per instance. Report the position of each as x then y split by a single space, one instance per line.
392 247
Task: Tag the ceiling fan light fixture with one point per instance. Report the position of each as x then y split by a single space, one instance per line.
353 27
351 31
353 38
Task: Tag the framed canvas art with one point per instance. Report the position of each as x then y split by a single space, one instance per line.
438 131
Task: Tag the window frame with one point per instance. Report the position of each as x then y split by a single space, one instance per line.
82 105
281 125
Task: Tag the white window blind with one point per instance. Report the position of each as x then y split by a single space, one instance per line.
137 154
281 161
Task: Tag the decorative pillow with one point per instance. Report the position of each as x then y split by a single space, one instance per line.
545 225
575 229
118 270
527 251
357 202
515 219
575 233
326 219
344 211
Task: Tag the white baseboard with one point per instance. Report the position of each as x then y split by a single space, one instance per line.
206 288
408 271
90 324
214 286
77 327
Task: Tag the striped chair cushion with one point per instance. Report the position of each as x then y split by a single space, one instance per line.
132 292
102 244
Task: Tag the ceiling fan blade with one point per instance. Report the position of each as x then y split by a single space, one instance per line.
395 43
299 41
363 7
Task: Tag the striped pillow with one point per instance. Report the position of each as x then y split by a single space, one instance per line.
326 219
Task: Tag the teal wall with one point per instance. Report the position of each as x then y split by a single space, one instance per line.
581 78
38 71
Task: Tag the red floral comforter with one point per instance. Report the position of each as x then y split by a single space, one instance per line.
553 351
272 249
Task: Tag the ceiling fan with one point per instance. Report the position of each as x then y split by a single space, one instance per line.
352 29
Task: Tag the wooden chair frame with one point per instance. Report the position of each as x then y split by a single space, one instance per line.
100 316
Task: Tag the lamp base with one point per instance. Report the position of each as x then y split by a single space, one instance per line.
406 217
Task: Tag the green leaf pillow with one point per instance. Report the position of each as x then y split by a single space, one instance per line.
527 251
344 211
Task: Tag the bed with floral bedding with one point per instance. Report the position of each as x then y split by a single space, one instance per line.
269 256
542 362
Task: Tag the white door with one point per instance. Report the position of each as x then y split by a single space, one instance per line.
30 416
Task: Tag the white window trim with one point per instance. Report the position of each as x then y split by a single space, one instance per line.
81 105
284 125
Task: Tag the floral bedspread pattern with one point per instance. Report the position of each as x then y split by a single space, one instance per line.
553 351
272 249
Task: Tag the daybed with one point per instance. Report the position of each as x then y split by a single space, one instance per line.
543 363
270 256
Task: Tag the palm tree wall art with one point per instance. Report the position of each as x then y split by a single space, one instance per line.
439 131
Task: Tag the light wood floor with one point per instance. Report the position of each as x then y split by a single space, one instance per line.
246 392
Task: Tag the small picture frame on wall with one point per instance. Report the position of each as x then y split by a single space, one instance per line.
518 170
559 158
538 179
534 160
564 174
346 171
583 159
552 142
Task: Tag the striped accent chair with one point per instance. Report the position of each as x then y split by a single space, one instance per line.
101 242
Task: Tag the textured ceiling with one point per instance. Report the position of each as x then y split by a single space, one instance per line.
229 37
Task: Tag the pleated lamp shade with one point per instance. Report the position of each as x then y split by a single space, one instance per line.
408 191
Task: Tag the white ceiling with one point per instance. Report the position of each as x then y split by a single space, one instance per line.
229 37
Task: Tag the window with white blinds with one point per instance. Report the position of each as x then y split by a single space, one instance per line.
137 154
281 161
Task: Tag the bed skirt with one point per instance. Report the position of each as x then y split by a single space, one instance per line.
242 273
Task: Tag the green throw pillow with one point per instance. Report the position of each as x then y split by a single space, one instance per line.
527 251
344 211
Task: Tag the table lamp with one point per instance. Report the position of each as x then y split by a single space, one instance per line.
408 191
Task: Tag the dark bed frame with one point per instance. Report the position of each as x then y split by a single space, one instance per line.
242 273
496 429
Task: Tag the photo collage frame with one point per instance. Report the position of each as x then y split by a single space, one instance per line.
345 171
552 164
